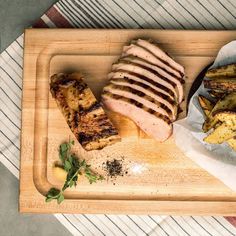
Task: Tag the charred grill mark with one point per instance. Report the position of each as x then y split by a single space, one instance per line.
107 132
65 81
151 111
131 81
76 118
141 94
156 84
145 86
80 86
85 138
103 121
61 79
93 107
137 104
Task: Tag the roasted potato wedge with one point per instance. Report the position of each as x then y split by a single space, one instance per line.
216 94
232 143
221 134
226 103
226 131
221 83
229 117
227 84
223 71
205 104
209 123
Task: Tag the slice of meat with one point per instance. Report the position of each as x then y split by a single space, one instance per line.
142 79
146 73
84 115
153 123
160 97
159 53
138 51
159 72
140 97
146 63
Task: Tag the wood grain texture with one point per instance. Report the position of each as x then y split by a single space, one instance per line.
160 179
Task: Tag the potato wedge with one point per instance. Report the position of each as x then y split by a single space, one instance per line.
209 123
223 71
229 117
226 103
228 85
232 143
221 134
205 104
216 94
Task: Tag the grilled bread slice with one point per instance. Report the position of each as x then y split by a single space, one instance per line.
84 115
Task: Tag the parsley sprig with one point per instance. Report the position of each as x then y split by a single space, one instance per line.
74 167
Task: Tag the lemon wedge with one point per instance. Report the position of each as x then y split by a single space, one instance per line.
59 173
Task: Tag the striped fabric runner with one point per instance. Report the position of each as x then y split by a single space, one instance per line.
169 14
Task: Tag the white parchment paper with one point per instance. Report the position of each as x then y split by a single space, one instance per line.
218 160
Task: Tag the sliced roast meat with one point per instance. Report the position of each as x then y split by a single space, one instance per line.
153 123
144 54
140 97
146 85
144 80
160 97
148 74
159 72
159 53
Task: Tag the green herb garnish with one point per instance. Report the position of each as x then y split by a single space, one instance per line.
74 167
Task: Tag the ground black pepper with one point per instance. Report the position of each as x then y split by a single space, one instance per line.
114 168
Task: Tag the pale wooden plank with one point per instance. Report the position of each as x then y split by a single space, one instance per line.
173 184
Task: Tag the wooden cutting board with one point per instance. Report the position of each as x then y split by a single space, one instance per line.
159 179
